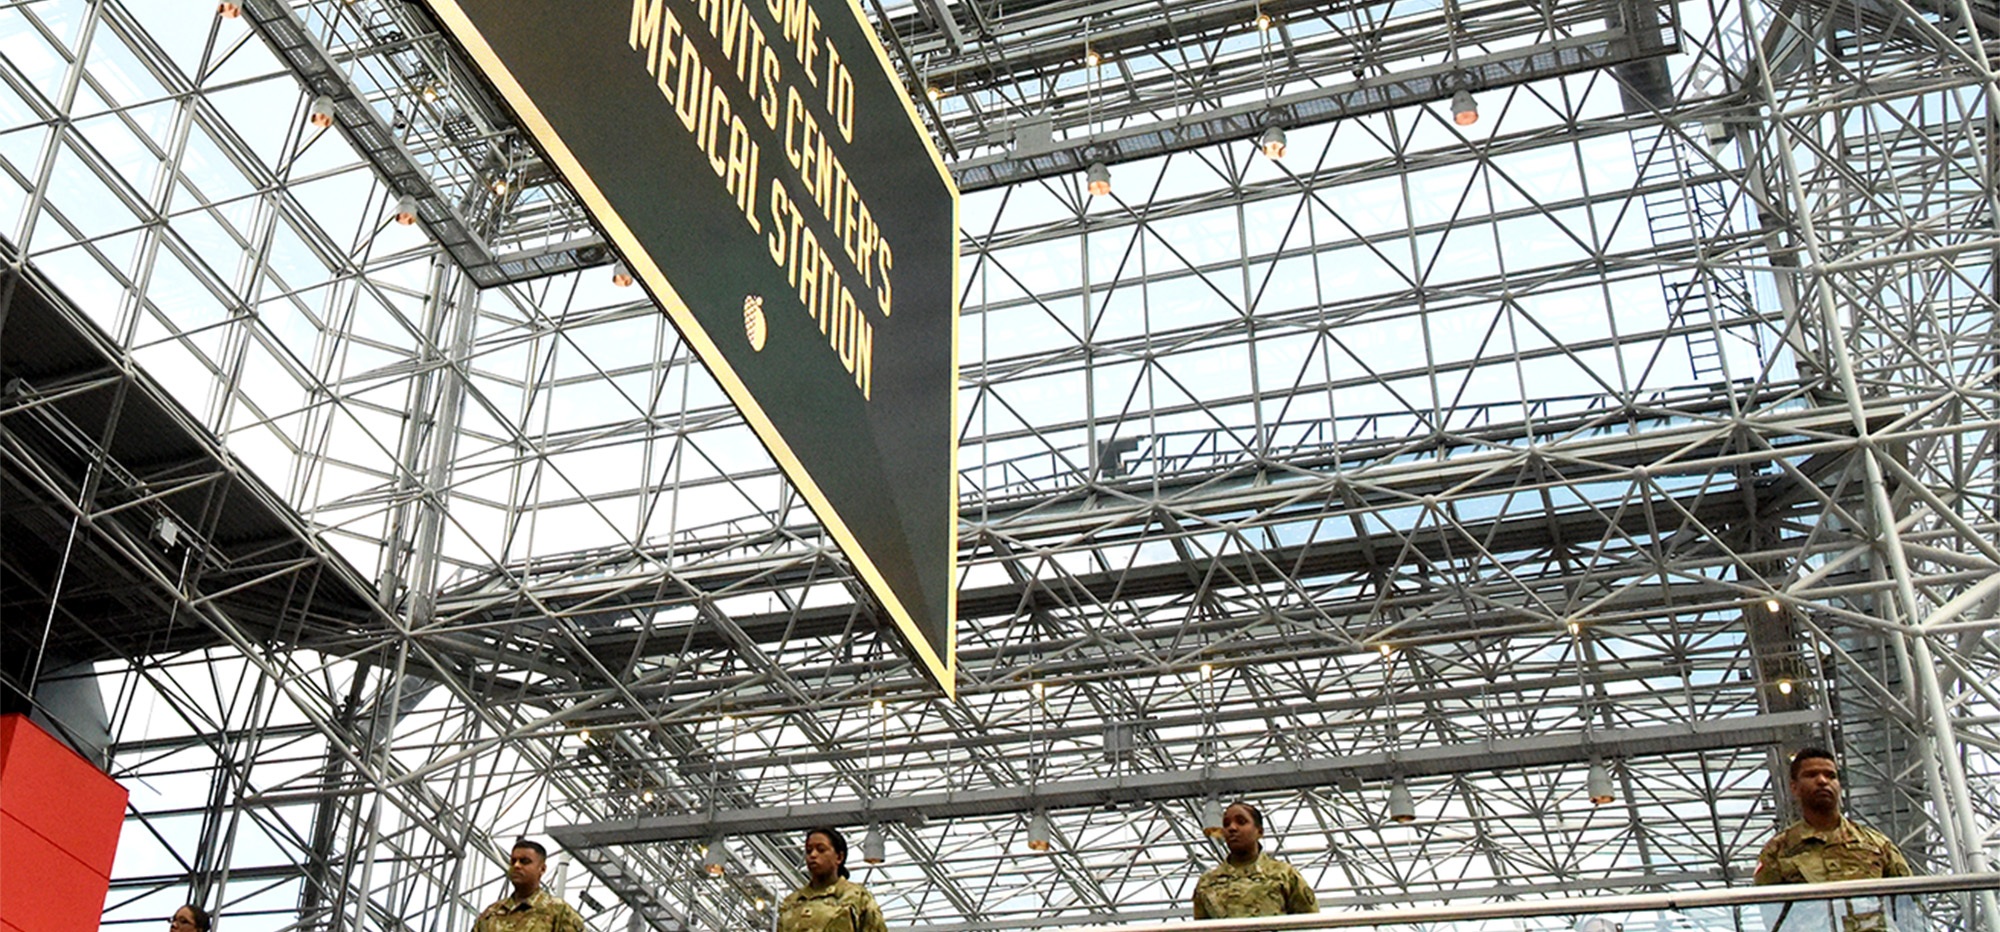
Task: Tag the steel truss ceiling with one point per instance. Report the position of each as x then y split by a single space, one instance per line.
1649 420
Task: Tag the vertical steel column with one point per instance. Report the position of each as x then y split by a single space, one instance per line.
409 564
394 572
463 313
381 731
65 103
1955 807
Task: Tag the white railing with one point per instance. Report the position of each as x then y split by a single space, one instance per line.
1839 907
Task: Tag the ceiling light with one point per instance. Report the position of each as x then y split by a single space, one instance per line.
499 186
1599 784
229 10
1772 606
429 93
1464 110
1273 143
1575 627
1402 809
166 532
1211 817
321 114
1090 57
1785 687
874 848
1263 22
1038 831
933 93
1098 179
711 860
406 214
620 275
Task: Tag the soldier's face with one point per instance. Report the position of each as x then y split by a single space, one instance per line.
1817 787
822 861
524 869
1240 831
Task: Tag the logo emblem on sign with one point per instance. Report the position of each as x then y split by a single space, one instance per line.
753 321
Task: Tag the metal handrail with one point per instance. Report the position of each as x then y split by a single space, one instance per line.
1619 903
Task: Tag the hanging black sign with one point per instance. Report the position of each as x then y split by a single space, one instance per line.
764 174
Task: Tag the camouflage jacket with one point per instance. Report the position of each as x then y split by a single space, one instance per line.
538 913
1264 887
841 906
1803 854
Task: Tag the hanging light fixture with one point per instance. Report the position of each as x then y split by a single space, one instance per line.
1772 606
1464 110
874 849
1402 809
321 114
1599 784
1785 687
1038 831
229 10
712 859
620 275
1211 817
406 214
1273 143
1098 178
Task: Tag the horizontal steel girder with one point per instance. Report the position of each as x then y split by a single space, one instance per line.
1689 449
405 173
1517 753
1643 35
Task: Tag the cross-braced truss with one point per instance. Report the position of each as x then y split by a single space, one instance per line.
1636 432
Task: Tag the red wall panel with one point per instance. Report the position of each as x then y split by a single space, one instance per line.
59 824
44 888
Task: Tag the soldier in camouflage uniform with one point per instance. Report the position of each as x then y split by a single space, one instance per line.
1250 882
529 908
1824 845
829 902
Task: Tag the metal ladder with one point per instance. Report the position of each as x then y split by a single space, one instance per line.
1690 212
